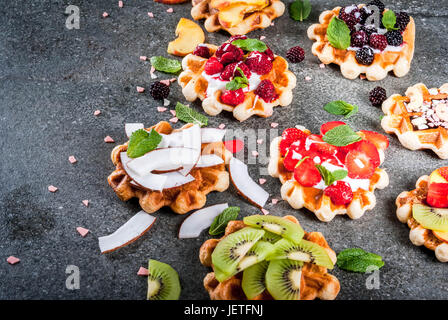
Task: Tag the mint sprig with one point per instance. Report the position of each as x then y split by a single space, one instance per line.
238 82
186 114
389 20
358 260
341 136
220 223
330 177
250 45
300 10
142 141
341 108
166 65
338 34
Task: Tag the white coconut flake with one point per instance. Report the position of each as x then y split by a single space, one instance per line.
199 220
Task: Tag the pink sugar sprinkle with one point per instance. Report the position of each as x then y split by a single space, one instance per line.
274 124
72 159
173 112
262 181
274 201
82 231
85 202
166 82
143 58
222 126
170 10
52 188
307 78
262 37
173 79
322 66
255 153
108 139
174 120
161 109
265 212
105 14
120 4
13 260
150 14
142 272
97 113
140 89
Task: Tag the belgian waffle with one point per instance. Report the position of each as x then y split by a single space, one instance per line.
316 282
194 85
398 62
181 199
403 114
255 17
419 235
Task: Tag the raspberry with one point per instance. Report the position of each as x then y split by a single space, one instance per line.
270 54
202 51
379 5
159 90
340 193
213 66
230 71
351 17
259 62
266 91
228 53
377 96
295 54
402 21
232 97
289 136
378 41
365 56
394 38
359 39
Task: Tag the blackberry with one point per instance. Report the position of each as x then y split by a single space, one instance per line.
365 13
378 41
159 90
377 96
359 39
295 54
369 30
394 38
365 56
351 18
379 4
402 21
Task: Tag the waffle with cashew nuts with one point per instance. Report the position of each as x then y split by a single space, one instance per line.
194 85
316 282
238 17
417 120
397 61
418 234
181 199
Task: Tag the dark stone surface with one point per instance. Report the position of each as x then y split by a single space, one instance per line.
51 81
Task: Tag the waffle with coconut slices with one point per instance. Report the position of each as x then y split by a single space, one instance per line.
425 210
237 17
185 166
350 38
334 172
419 119
289 266
242 76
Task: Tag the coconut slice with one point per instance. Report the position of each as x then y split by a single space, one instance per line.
247 187
210 135
130 128
191 138
193 225
173 180
148 181
127 233
209 160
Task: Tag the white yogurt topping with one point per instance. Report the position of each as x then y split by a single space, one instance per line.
354 184
216 84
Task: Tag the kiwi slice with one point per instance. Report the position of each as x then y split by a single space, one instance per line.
305 251
163 282
230 250
254 282
258 253
283 279
282 227
270 237
431 218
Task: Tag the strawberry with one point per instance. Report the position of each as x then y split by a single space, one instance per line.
362 160
340 193
378 139
307 174
291 158
371 150
330 125
289 136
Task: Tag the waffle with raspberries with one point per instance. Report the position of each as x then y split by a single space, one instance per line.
241 17
419 119
302 161
183 198
372 51
207 73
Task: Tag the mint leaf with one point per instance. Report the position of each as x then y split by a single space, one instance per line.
300 10
330 177
186 114
341 108
341 136
220 223
238 82
338 34
166 65
389 20
142 141
358 260
339 174
250 45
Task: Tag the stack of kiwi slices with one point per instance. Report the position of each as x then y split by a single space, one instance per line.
435 219
270 252
163 281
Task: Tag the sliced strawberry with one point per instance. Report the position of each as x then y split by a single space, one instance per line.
340 193
307 174
362 161
371 151
438 195
330 125
292 157
378 139
289 136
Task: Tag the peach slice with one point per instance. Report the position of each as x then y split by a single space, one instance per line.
171 1
233 15
189 35
221 4
442 236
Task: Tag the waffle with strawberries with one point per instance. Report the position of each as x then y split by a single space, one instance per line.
269 82
372 51
315 280
182 198
419 119
326 179
237 17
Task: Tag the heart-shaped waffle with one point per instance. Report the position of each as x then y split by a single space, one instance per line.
194 85
253 17
315 281
397 61
181 199
419 235
412 118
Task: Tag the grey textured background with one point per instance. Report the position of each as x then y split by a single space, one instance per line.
51 81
